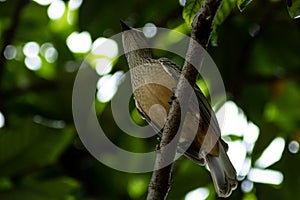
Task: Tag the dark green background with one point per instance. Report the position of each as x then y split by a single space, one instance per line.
38 161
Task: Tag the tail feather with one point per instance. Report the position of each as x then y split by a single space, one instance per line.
222 172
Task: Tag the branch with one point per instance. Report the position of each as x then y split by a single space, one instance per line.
7 37
10 33
201 29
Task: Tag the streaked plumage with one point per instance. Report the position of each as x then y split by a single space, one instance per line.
151 81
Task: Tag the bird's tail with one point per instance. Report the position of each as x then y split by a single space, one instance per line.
222 172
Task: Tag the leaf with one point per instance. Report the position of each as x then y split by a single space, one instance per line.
190 9
30 146
294 8
225 9
242 4
35 189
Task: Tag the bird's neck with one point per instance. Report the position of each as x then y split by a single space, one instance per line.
138 57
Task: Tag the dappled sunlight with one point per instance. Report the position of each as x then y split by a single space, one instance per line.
197 194
32 59
33 63
271 154
56 9
2 120
245 168
47 44
105 47
266 176
74 4
104 53
108 86
49 52
247 186
103 66
293 146
236 124
237 153
250 136
241 135
33 53
149 30
79 42
31 49
10 52
44 2
182 2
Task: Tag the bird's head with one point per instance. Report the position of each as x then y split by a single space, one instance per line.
134 43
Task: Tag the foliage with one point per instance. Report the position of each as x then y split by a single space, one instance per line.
191 7
294 8
41 156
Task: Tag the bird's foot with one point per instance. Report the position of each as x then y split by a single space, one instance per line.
173 97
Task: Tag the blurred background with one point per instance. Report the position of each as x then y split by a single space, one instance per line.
43 43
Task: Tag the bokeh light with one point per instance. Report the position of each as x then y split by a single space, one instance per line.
2 120
247 186
182 2
108 85
44 2
74 4
79 42
31 49
237 153
197 194
265 176
241 136
10 52
56 9
149 30
294 146
33 63
49 52
51 55
238 126
245 168
103 66
105 47
271 154
136 187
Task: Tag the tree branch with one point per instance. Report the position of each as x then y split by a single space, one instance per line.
10 33
7 37
201 29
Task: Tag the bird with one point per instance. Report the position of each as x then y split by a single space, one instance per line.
153 81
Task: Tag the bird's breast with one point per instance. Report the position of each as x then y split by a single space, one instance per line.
153 88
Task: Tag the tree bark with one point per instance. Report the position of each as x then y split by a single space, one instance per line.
159 185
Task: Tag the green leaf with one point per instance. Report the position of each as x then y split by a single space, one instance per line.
225 9
294 8
29 146
242 4
190 9
35 189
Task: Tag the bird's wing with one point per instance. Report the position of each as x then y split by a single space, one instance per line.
174 71
155 126
205 108
191 153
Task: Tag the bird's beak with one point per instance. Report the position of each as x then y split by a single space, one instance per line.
124 26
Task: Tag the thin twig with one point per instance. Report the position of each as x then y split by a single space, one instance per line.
8 37
201 29
10 33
